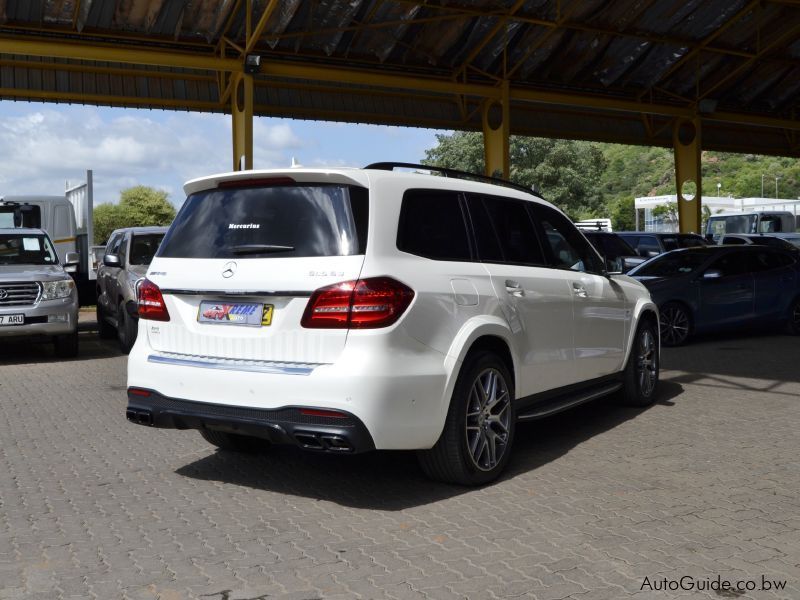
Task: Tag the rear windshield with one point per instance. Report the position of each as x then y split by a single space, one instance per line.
279 221
26 249
20 215
673 264
143 248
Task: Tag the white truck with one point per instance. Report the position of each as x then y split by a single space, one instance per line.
67 219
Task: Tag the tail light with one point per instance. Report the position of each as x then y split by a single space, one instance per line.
362 304
151 303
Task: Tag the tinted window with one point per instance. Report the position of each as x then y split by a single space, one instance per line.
690 241
432 225
568 249
143 248
728 239
766 260
673 264
113 243
670 243
26 215
504 231
648 243
609 245
276 221
732 263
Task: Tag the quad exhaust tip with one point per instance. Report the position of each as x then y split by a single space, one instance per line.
323 441
140 417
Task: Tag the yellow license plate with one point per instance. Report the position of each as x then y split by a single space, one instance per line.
266 315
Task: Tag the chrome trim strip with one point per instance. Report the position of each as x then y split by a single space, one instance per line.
290 293
209 363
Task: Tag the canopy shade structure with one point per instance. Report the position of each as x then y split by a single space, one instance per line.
615 71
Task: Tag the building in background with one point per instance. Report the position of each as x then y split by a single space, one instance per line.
647 221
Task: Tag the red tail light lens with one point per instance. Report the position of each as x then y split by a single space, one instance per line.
363 304
151 303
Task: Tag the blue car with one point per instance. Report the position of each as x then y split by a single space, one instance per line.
717 287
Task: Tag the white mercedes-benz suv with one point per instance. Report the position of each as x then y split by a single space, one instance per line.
347 310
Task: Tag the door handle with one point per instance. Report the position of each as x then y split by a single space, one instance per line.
579 290
513 288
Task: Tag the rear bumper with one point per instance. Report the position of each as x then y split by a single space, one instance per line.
286 425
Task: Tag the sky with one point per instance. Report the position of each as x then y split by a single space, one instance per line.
44 146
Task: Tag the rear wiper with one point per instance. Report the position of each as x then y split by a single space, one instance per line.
260 248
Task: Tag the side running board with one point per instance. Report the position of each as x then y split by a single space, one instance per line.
567 401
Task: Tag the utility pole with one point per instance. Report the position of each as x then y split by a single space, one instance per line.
776 186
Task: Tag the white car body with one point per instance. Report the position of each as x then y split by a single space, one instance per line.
561 327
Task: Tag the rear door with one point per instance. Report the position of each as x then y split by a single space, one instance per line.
239 264
535 299
601 314
774 276
729 298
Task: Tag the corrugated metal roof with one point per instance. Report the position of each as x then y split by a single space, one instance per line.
744 55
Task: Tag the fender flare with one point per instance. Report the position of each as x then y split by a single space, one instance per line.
642 305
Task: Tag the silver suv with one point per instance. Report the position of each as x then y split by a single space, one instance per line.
38 298
128 254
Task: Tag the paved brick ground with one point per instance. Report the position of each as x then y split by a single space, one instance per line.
703 484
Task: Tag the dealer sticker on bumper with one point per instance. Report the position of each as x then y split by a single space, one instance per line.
236 313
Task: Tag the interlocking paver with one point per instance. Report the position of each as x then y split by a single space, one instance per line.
702 484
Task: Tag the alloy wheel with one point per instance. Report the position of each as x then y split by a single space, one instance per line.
647 363
488 419
674 324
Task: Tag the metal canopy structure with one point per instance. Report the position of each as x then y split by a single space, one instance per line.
653 72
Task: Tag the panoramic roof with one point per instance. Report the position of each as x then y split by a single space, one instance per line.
586 69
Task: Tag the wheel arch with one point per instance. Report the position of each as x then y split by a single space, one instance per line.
644 310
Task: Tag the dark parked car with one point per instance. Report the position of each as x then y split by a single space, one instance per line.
716 287
649 244
618 254
787 241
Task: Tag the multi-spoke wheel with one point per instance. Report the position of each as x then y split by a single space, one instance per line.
641 372
793 325
476 441
675 323
487 422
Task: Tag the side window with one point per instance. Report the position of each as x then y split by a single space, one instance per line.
729 239
504 231
766 260
123 249
432 225
568 249
670 243
113 244
647 244
733 263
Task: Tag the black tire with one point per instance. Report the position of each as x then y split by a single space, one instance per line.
66 346
675 324
234 442
640 378
466 452
104 328
127 328
793 322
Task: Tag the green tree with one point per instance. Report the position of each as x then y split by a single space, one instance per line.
565 171
623 217
138 206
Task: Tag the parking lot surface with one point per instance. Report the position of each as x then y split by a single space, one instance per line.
602 502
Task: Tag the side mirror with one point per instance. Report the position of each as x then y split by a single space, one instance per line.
111 260
652 253
712 274
72 258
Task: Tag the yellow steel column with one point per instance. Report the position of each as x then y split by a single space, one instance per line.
686 142
496 134
242 121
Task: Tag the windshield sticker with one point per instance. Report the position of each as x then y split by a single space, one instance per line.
244 226
30 244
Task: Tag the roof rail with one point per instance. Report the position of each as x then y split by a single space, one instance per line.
455 174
